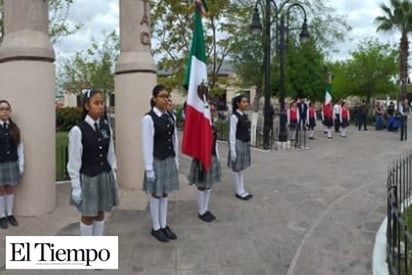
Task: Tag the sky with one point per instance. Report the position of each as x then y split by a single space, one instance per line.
99 16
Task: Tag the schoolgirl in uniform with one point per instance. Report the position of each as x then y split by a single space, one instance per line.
344 119
160 154
11 164
205 180
311 120
92 166
239 143
328 118
293 118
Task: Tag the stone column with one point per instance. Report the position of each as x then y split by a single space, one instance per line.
134 80
27 76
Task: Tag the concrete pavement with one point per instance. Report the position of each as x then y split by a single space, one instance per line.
314 212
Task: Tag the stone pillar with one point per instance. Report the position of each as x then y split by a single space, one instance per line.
134 80
27 76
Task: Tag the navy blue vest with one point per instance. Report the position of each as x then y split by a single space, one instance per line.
8 148
164 129
243 127
95 148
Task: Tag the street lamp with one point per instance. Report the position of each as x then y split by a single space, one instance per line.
281 29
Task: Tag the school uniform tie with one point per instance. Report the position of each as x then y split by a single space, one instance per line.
5 125
96 127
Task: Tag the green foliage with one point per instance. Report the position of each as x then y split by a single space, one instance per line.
305 71
305 64
61 155
66 118
93 68
398 16
368 73
172 22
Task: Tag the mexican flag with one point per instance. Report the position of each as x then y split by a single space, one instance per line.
328 94
197 132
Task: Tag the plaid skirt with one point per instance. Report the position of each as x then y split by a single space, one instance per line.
242 156
167 177
9 173
199 177
99 193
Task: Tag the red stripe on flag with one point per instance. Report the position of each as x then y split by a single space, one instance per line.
197 137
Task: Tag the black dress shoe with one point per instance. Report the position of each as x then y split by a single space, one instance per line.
12 220
4 223
169 233
249 196
212 217
159 235
205 217
245 198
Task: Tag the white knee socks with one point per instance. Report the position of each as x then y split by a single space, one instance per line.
9 203
86 230
207 198
201 202
2 206
163 212
98 228
154 212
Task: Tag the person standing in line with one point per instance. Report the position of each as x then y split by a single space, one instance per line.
293 118
336 113
363 115
204 180
11 164
311 120
160 155
328 118
239 144
404 111
344 119
303 109
92 166
171 109
378 116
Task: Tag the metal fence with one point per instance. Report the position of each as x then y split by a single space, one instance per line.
399 239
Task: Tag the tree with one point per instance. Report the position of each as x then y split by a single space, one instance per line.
305 72
172 24
58 25
93 68
368 73
398 16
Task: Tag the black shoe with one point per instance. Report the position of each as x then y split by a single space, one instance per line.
12 220
159 235
311 138
212 217
245 198
249 196
205 217
4 223
169 233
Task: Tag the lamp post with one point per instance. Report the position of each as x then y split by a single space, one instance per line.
282 30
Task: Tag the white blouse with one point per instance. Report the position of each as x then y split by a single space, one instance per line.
76 150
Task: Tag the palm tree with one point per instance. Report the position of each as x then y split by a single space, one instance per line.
398 16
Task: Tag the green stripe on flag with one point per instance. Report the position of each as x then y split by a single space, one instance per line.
198 46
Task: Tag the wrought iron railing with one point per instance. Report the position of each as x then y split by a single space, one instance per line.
399 239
